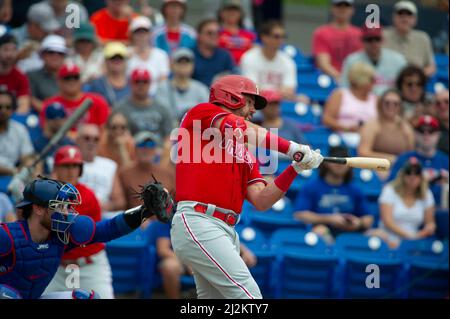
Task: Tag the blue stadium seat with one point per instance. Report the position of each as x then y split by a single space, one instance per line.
442 224
257 242
368 182
31 122
279 216
357 252
306 115
322 137
131 259
316 85
4 182
305 267
427 268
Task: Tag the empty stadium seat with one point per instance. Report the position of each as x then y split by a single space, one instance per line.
361 256
305 266
442 224
368 182
316 85
31 122
306 115
257 242
427 268
131 259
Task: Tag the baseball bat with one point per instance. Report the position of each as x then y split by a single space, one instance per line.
21 178
379 164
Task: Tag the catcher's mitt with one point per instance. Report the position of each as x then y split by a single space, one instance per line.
157 201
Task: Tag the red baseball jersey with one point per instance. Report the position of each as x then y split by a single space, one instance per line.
89 207
222 182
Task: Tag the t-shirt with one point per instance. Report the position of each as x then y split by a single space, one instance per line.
89 207
206 68
179 101
102 87
16 82
99 175
337 43
97 114
236 43
210 173
416 46
108 28
15 143
322 198
43 84
157 64
169 41
387 68
407 218
431 167
279 72
154 117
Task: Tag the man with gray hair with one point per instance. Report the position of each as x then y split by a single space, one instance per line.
415 45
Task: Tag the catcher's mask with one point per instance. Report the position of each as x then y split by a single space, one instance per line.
64 214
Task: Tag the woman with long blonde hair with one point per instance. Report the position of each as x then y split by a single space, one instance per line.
407 203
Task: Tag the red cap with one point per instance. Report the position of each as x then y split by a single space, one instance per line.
68 154
140 75
372 32
428 120
271 95
68 69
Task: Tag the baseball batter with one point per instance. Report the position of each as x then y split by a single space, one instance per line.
210 193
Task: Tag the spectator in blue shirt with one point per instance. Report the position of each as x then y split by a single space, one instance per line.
433 161
210 60
331 202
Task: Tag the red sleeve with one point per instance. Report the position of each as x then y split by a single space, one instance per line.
206 113
320 44
255 176
100 110
24 87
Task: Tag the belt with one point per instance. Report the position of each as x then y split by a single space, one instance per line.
230 217
79 261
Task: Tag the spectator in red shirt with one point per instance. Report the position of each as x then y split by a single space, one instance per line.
71 96
95 271
233 37
111 23
334 41
15 80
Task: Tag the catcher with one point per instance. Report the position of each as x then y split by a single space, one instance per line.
31 249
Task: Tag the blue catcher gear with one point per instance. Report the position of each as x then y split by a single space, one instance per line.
59 198
84 294
7 292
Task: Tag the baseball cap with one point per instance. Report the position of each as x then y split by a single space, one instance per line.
407 6
182 53
54 43
68 154
371 32
147 139
140 22
412 165
427 121
68 69
55 111
42 14
232 4
84 32
271 95
115 48
140 75
342 1
7 38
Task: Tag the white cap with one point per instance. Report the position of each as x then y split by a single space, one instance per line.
42 14
54 43
406 5
140 22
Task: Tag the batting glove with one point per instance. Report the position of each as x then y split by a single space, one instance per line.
311 159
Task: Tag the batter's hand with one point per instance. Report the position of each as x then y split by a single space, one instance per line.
308 160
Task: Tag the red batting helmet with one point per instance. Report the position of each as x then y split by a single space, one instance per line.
229 90
69 154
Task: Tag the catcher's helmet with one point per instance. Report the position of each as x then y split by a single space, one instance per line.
69 154
229 91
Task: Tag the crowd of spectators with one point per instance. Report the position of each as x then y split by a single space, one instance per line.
143 67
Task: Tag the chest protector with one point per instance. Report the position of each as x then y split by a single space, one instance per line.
29 267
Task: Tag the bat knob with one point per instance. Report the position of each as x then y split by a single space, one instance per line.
298 156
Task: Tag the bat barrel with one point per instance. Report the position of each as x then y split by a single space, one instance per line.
336 160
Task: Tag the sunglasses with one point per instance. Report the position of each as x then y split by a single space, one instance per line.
71 78
116 58
442 102
88 138
7 107
410 172
118 127
426 130
211 33
278 36
141 81
391 103
372 39
55 52
404 13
